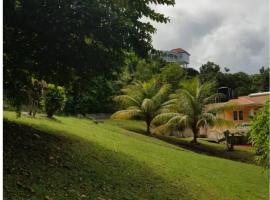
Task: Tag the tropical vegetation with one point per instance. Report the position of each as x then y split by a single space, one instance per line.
187 107
65 60
143 100
259 135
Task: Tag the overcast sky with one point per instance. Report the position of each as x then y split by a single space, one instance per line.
231 33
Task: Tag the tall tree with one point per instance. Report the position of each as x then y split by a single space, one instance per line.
209 71
260 82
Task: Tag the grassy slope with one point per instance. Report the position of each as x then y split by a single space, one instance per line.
103 160
241 152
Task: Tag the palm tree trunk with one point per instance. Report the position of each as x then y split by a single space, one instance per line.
148 122
195 135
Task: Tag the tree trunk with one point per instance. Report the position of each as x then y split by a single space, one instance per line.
49 114
195 135
148 122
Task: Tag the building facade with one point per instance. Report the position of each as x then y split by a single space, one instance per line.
244 107
178 55
240 111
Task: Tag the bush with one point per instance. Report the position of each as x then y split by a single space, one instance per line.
54 99
259 135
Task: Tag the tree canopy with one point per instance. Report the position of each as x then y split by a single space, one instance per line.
61 40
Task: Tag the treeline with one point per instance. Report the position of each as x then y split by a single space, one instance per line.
95 95
171 73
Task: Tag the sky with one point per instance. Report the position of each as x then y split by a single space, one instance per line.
231 33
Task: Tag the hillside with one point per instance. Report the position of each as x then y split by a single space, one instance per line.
71 158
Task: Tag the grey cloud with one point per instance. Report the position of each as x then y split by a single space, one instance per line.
230 33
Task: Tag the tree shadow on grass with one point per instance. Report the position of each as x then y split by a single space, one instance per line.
39 164
236 155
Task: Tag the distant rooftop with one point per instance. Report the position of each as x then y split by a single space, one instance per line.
179 50
256 99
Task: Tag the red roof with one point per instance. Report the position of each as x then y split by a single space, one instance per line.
256 100
242 101
179 50
250 100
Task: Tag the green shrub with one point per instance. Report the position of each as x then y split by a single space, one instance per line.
259 135
54 99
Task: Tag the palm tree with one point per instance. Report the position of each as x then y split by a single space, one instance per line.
142 100
187 108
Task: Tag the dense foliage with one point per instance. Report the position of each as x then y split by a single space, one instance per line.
240 82
259 135
54 99
66 42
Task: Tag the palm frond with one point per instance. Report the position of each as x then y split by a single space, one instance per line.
217 108
180 121
147 105
212 98
126 100
220 123
163 118
127 114
162 94
205 90
190 85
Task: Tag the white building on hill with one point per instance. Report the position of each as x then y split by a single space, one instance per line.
178 55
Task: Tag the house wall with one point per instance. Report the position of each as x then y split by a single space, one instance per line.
181 58
248 111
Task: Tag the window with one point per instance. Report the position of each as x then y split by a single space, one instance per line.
240 115
235 117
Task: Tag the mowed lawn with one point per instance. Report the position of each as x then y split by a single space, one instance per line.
72 158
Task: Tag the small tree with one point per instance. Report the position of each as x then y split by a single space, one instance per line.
34 94
142 100
54 99
259 135
187 108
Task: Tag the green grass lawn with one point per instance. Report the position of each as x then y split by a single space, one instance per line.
242 153
71 158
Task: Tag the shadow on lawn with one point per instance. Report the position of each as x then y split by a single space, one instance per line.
39 164
236 155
